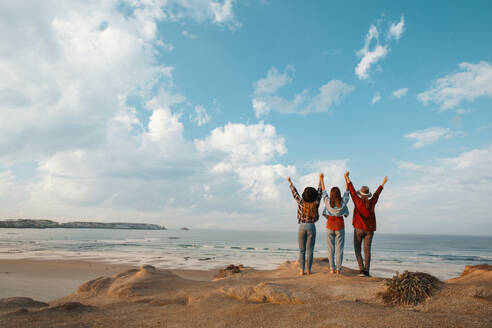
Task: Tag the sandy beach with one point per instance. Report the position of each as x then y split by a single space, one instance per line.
93 294
46 280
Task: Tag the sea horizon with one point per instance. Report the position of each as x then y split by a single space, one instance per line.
191 227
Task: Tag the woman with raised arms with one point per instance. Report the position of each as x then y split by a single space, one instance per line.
334 211
364 222
307 215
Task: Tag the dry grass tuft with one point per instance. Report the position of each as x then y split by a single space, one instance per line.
410 288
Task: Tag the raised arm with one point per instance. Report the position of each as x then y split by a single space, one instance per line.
322 181
375 197
350 187
347 178
321 186
326 198
293 189
345 198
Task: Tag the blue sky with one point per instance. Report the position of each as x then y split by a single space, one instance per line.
151 110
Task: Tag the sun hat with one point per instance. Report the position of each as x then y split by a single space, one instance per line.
364 192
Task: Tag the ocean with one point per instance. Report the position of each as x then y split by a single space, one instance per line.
442 256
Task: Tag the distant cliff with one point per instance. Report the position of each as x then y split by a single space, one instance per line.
44 224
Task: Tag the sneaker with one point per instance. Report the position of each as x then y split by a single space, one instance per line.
361 273
366 273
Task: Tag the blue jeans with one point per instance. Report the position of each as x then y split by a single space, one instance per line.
307 239
337 236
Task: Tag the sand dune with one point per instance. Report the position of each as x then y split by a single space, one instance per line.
148 297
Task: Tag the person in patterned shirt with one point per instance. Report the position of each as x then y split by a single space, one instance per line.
307 215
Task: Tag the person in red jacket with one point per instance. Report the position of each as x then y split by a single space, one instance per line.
364 221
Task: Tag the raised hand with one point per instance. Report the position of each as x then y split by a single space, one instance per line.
288 179
346 176
384 181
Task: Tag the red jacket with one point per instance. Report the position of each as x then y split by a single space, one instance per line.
364 218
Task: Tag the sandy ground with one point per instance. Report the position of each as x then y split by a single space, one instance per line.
119 296
47 280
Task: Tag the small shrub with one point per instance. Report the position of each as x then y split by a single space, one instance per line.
410 288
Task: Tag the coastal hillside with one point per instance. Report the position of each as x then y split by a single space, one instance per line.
244 297
45 224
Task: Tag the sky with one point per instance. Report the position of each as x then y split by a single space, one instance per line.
193 112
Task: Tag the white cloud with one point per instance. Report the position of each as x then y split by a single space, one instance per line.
409 166
165 98
272 81
113 58
474 81
264 181
428 136
201 116
188 34
439 194
332 169
251 144
400 93
10 192
461 111
260 107
480 159
221 12
376 98
371 55
125 173
266 100
68 68
330 93
246 150
396 29
164 128
68 71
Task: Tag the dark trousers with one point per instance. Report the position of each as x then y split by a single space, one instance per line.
366 236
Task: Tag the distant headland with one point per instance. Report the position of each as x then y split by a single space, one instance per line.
45 224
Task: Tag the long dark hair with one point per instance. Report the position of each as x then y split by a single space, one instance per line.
309 194
367 203
335 197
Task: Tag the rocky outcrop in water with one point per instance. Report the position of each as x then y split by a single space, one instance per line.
44 224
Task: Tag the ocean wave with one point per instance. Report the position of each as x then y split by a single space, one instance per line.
463 258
